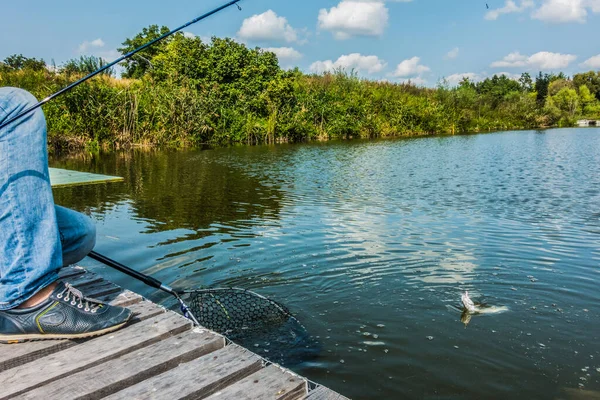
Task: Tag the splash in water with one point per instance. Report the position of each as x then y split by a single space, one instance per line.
471 308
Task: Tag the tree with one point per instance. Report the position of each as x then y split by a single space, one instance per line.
139 64
541 87
590 79
566 100
19 62
85 65
182 58
558 84
526 82
497 87
590 106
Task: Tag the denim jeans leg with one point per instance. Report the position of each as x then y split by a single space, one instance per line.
77 235
30 249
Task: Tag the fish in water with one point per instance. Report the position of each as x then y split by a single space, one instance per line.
470 308
468 303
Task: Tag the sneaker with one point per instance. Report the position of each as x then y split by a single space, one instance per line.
66 314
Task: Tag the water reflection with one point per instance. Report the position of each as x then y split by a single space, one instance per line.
370 243
172 190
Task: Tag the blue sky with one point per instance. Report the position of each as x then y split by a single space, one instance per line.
420 40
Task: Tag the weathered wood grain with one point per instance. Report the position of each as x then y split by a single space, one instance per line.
91 353
271 383
125 298
68 272
112 376
323 393
12 356
198 378
82 280
99 289
155 356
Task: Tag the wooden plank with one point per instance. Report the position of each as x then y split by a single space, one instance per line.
99 289
125 371
125 298
323 393
80 281
91 353
271 383
64 178
12 356
67 272
198 378
145 310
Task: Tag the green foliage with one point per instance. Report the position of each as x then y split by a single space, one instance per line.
185 92
590 79
526 82
558 84
139 64
17 62
541 87
85 65
589 104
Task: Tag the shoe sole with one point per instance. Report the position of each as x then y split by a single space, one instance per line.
14 339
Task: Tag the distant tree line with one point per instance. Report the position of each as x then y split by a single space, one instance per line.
184 91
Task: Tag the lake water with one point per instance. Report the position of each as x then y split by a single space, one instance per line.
370 244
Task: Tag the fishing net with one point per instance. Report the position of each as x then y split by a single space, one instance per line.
255 322
230 310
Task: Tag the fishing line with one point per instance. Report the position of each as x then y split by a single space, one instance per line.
118 60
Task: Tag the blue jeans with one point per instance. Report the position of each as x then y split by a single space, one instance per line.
37 238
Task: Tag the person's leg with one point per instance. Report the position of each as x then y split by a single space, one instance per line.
30 249
77 235
32 305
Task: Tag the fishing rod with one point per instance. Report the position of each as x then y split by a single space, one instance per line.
224 310
148 280
118 60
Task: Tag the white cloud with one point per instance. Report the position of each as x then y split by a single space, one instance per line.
547 60
543 60
94 44
509 75
455 79
97 48
512 60
592 62
268 26
452 54
355 18
555 11
355 61
410 68
594 5
189 35
285 54
509 7
561 11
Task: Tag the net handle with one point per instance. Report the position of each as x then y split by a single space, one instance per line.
185 309
148 280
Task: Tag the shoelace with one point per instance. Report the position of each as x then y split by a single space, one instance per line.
89 304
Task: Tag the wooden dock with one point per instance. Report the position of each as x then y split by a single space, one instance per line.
158 355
